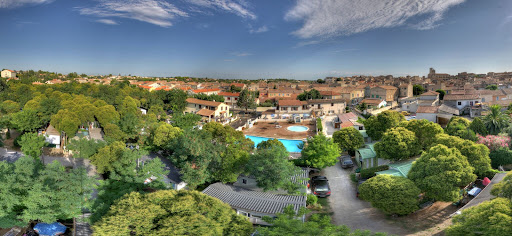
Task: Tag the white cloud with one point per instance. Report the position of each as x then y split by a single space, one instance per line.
107 21
325 18
155 12
232 6
258 30
241 54
19 3
307 43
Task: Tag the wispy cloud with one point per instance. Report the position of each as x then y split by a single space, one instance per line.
107 21
241 54
19 3
156 12
232 6
327 18
307 43
258 30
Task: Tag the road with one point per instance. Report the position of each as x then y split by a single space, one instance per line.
350 210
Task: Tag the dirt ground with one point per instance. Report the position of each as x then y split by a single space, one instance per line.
269 130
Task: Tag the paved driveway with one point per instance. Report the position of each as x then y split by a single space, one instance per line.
351 211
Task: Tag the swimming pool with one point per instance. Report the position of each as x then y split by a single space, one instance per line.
290 145
298 128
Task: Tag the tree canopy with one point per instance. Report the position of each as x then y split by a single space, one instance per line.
397 144
441 172
348 139
84 147
417 89
391 194
425 132
459 126
320 152
492 217
246 100
496 120
170 212
376 125
32 144
185 121
478 127
503 188
311 94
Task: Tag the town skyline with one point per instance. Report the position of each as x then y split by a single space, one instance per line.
256 40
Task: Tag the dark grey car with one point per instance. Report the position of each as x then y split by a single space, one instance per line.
320 186
346 162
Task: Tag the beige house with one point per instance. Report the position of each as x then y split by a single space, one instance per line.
210 111
292 107
230 98
8 74
385 92
320 107
212 91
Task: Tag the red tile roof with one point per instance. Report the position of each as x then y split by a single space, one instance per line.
203 102
291 103
228 94
427 109
205 90
205 112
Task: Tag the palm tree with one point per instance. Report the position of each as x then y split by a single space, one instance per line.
496 120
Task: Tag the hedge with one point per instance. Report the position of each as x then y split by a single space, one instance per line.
370 172
319 125
311 199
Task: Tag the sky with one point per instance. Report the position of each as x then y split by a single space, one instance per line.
254 39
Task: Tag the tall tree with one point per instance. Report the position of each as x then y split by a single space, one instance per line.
492 217
377 125
425 132
246 100
496 120
32 144
27 121
162 133
311 94
478 127
176 101
107 115
66 121
320 152
492 87
169 212
441 172
503 188
459 126
417 89
85 147
185 121
270 166
397 144
348 139
391 194
107 156
441 93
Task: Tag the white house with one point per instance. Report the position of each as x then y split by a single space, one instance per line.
461 101
8 74
52 136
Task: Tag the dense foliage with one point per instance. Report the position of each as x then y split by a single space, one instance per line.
425 132
441 172
459 126
308 95
500 157
391 194
417 89
376 126
169 212
32 144
370 172
397 144
320 152
349 139
504 188
496 120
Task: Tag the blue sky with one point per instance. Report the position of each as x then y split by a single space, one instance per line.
296 39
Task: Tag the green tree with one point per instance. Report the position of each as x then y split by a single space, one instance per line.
417 89
492 87
311 94
163 133
441 93
290 223
391 194
348 139
32 144
425 132
478 127
441 172
169 212
500 157
459 126
496 120
377 125
131 125
107 115
85 147
476 154
176 100
66 121
107 156
185 121
320 152
503 188
492 217
113 133
32 191
270 166
26 121
246 100
10 107
397 144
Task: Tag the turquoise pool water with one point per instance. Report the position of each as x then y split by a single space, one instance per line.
291 145
298 128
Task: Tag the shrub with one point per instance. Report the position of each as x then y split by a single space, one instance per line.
370 172
311 200
494 142
500 157
319 125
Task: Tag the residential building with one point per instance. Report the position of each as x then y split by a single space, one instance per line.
285 108
385 92
427 112
409 104
429 98
281 93
346 120
366 157
462 102
400 169
374 102
8 74
405 90
330 95
209 110
230 98
52 136
213 91
320 107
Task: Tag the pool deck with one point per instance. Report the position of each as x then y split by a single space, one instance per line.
268 130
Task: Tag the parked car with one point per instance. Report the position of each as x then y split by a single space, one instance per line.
320 186
346 162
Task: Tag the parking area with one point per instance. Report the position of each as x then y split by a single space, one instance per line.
350 210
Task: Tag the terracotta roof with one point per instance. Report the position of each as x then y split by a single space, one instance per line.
203 102
314 101
372 101
291 103
228 94
404 85
388 87
205 90
507 91
238 84
427 109
454 97
205 112
329 93
430 93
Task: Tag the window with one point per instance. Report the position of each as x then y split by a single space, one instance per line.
236 99
332 104
360 127
459 103
199 106
372 96
244 181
